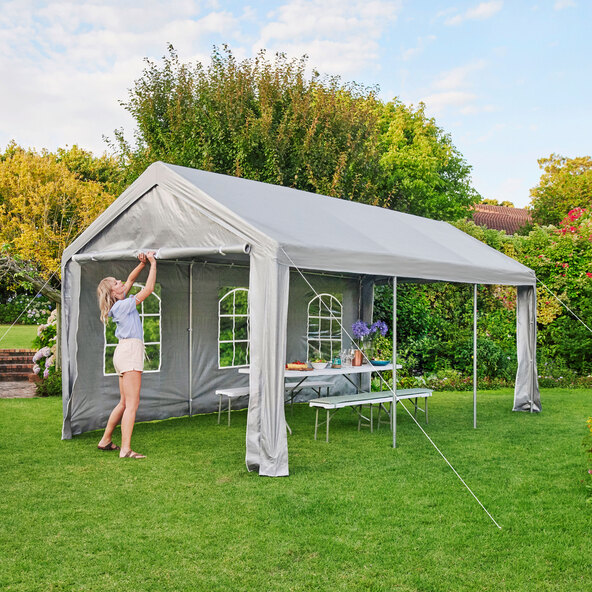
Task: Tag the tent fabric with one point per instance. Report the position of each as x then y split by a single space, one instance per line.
526 389
214 231
267 445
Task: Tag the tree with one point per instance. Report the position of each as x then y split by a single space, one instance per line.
565 184
43 207
255 119
269 121
422 172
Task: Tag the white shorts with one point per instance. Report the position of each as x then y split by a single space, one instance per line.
128 356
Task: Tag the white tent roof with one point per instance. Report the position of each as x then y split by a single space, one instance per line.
314 231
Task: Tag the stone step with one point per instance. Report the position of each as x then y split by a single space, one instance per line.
15 367
16 376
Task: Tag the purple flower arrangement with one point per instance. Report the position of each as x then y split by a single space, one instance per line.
361 329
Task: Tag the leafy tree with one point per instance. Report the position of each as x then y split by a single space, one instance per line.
565 184
255 119
104 169
494 202
270 122
422 172
43 207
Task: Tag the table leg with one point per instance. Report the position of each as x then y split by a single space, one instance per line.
328 420
371 419
316 423
426 408
229 407
415 410
219 408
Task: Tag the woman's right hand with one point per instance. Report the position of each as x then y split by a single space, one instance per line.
150 257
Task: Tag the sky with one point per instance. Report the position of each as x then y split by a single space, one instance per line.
509 80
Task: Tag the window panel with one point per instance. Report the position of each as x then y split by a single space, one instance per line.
226 328
110 332
226 354
233 334
152 360
240 328
240 354
324 326
109 367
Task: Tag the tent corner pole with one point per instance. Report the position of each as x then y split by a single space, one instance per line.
475 356
190 339
394 403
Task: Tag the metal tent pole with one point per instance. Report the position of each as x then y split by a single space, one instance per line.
475 355
394 404
190 338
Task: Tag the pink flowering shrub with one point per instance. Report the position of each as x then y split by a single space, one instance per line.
44 359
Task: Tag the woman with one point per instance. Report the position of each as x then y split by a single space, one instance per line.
128 358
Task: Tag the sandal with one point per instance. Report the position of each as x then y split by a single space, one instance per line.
108 447
132 454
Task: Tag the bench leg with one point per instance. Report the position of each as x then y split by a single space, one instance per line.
371 419
328 420
415 410
219 408
426 408
229 407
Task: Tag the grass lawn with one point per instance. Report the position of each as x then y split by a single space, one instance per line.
19 336
354 514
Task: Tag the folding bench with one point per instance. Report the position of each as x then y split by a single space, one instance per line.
333 404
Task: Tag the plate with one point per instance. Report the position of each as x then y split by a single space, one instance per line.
379 362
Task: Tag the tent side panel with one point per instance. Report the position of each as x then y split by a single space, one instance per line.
267 444
164 392
70 313
526 392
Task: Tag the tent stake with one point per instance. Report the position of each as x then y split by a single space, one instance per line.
475 356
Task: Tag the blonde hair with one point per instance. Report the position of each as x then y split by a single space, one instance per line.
105 297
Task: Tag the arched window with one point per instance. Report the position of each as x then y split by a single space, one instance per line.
323 334
150 316
233 327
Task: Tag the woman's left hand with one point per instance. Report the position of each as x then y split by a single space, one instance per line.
142 258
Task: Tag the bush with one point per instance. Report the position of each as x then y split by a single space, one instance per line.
37 312
46 344
50 386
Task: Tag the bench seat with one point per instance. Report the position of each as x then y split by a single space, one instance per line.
357 400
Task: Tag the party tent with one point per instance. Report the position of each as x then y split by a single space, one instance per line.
220 239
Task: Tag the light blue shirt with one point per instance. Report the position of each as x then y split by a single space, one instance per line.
126 317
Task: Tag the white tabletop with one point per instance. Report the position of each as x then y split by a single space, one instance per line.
363 369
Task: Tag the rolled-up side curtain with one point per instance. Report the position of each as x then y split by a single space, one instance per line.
267 443
526 391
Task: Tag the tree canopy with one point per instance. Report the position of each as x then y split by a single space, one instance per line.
44 204
269 121
565 184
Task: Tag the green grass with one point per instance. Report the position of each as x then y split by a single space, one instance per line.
18 337
354 514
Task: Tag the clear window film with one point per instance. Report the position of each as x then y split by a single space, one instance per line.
324 320
233 327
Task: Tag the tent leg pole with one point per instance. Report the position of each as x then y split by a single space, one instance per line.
475 356
394 411
190 339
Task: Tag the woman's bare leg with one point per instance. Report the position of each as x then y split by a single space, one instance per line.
114 418
131 385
